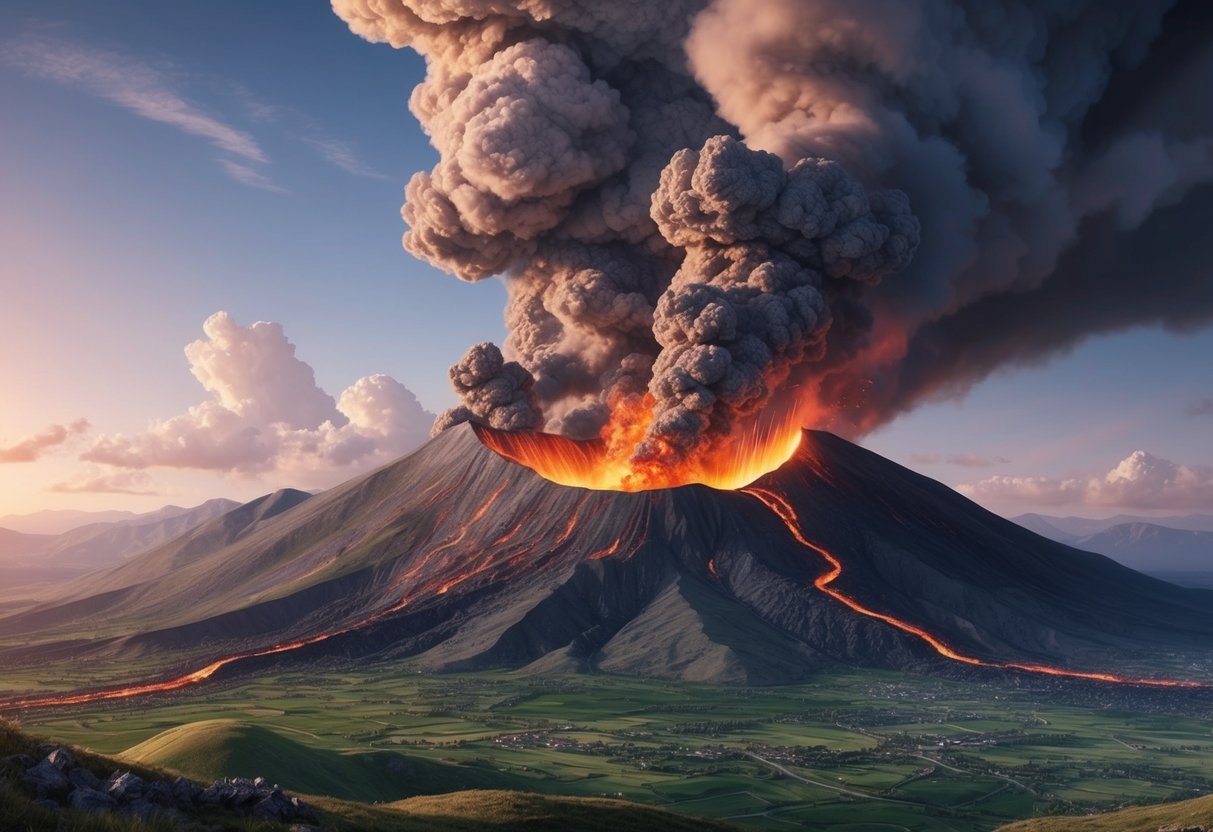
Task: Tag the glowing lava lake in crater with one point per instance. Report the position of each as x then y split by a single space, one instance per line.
606 465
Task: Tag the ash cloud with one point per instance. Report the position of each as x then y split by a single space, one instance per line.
29 448
495 392
697 200
765 250
264 412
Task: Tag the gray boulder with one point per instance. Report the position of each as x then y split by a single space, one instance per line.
159 792
276 806
91 800
213 794
184 791
125 787
61 759
46 780
302 810
83 777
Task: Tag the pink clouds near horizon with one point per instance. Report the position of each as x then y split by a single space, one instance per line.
265 413
1140 481
97 481
30 448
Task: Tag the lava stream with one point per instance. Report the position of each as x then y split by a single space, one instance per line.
204 673
784 511
192 678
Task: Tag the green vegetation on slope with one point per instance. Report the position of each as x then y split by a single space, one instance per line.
497 811
216 748
472 811
867 747
19 812
1183 815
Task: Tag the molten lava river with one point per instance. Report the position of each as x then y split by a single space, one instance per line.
607 464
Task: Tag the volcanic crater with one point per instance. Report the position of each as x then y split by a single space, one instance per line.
460 559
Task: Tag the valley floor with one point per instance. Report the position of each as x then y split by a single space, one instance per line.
860 752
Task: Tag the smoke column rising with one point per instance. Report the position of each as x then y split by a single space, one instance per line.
696 203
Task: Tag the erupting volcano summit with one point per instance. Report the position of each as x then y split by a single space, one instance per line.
459 559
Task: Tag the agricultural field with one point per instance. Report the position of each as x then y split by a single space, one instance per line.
862 751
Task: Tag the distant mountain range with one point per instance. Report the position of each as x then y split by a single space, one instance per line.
1157 545
30 559
58 521
1076 527
461 560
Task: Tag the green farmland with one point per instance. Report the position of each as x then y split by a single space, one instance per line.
855 752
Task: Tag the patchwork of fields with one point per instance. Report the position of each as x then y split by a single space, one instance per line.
860 751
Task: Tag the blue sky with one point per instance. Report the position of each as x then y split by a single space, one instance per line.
274 195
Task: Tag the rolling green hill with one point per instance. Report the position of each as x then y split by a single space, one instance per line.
522 812
465 811
216 748
1186 814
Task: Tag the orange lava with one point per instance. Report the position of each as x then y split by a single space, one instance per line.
204 673
784 511
191 678
609 464
608 551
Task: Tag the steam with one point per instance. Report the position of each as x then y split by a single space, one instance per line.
696 203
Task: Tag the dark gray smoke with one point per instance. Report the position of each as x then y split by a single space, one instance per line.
752 298
494 392
588 151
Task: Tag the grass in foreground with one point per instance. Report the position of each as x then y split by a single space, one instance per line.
1184 814
467 811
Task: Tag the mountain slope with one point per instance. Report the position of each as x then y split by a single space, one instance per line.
58 521
27 561
105 544
19 544
1043 526
1152 548
1084 526
461 560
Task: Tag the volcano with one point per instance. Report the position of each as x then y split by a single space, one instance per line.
461 559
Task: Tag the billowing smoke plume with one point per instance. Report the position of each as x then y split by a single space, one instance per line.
765 250
495 392
609 159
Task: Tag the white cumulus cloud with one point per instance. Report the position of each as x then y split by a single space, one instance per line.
1139 481
264 412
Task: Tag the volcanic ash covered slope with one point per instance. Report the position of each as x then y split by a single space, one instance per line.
463 560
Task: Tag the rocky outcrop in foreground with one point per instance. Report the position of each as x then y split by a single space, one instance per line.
58 782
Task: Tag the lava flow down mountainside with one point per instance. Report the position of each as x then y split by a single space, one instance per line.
458 558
